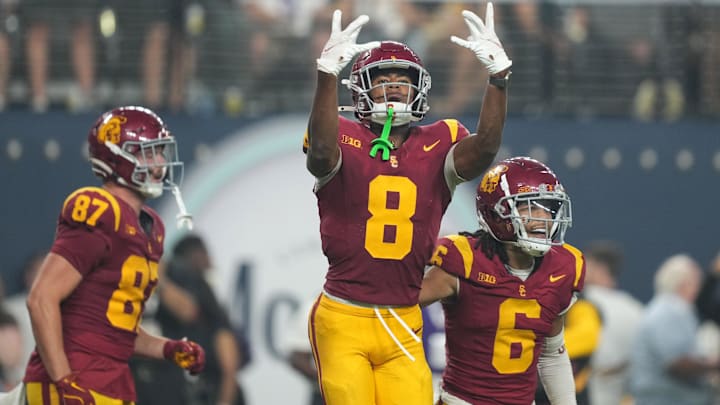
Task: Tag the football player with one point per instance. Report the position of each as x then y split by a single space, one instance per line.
505 289
88 298
382 186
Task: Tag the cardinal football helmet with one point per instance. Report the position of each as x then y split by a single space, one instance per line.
129 145
522 184
389 55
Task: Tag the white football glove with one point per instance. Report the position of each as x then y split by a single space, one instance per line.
341 48
484 42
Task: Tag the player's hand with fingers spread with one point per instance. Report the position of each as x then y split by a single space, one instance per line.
484 42
342 47
70 393
186 354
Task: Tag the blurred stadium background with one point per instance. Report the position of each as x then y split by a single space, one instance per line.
620 97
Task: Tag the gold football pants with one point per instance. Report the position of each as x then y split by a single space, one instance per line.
358 361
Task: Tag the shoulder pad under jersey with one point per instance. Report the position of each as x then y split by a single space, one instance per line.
457 130
454 254
571 258
94 207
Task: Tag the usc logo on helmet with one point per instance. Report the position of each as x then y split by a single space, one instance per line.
491 179
110 130
541 187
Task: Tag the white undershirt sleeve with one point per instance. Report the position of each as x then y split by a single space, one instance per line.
556 372
451 177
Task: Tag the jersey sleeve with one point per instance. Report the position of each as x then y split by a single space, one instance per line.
454 254
88 219
457 130
577 267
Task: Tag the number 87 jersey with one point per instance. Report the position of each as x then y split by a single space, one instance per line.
101 236
379 219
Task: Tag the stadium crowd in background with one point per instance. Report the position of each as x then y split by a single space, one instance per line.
247 57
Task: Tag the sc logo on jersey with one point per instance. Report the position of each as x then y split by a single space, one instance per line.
110 130
492 178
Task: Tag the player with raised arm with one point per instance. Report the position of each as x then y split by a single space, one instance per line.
505 290
88 298
382 186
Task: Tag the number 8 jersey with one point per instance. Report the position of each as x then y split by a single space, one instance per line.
102 237
380 219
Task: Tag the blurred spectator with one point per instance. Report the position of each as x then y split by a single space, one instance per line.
387 18
652 64
281 35
710 74
456 84
666 365
16 305
8 22
76 16
686 28
11 347
188 308
708 301
300 356
531 30
170 40
621 314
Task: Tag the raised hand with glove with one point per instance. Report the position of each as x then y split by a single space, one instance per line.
342 46
186 354
71 393
484 42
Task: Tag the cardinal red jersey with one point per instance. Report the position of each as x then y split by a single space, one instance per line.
101 236
380 219
496 325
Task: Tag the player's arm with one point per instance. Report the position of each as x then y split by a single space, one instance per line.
180 302
474 154
56 280
228 355
554 367
149 345
323 150
436 285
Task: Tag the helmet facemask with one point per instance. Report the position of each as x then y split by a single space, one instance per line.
549 212
413 108
157 166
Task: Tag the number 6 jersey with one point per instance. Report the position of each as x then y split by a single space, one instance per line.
380 219
102 237
497 323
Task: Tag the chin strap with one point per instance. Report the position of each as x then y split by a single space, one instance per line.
383 142
184 218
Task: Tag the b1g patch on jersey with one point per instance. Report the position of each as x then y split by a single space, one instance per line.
93 207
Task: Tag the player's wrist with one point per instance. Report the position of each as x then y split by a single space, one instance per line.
65 379
501 79
328 66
